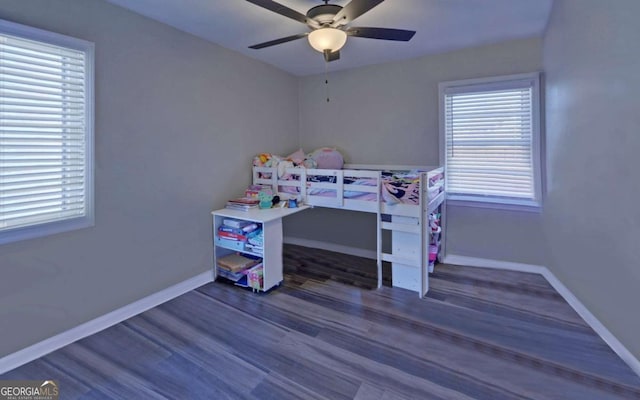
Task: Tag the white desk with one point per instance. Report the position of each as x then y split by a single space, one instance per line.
271 221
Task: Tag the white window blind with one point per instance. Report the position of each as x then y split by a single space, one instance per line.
490 133
44 132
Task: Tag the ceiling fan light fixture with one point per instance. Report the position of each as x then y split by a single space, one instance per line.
327 39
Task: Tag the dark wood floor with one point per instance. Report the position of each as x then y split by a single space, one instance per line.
479 334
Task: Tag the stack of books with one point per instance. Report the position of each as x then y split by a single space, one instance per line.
243 203
237 262
253 191
240 235
236 267
255 242
237 230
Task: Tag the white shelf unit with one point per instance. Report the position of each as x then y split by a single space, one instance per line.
271 222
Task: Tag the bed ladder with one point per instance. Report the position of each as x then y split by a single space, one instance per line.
409 269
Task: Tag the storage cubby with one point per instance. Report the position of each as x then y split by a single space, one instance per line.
270 256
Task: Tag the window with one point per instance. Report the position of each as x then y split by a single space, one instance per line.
46 133
490 141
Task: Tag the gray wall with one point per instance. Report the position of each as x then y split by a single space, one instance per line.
388 114
592 218
174 116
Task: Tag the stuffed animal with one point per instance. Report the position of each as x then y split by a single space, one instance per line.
261 160
282 166
309 163
327 158
265 199
296 157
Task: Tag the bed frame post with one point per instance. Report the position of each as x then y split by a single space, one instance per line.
302 176
424 234
443 222
379 228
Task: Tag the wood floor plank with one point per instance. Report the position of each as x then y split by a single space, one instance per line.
447 342
199 349
366 367
252 304
319 315
278 387
472 327
323 334
507 295
43 370
107 378
371 392
491 305
513 375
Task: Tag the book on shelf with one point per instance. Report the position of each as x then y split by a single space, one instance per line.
243 230
236 223
232 276
242 278
243 203
253 247
255 250
232 236
240 207
229 229
237 262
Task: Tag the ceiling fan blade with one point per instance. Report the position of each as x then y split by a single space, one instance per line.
400 35
280 9
353 10
278 41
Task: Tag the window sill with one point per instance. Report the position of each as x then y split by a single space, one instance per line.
45 229
493 203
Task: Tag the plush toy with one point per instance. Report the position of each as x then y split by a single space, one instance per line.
309 163
261 160
265 199
434 222
327 158
296 157
282 165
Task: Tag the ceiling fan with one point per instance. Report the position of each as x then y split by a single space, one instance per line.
328 23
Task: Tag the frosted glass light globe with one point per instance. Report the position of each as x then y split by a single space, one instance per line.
327 39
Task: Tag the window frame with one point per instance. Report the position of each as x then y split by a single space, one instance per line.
88 48
503 203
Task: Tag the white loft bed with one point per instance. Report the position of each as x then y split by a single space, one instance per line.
361 188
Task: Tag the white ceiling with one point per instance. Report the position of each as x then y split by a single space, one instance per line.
440 25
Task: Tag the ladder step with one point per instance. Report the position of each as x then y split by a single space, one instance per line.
393 226
400 260
435 203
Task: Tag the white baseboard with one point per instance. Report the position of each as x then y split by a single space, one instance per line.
566 294
593 322
496 264
14 360
338 248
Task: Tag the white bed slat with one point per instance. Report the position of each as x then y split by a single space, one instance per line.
361 188
392 226
400 260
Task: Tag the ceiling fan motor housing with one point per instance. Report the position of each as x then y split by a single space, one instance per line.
324 13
